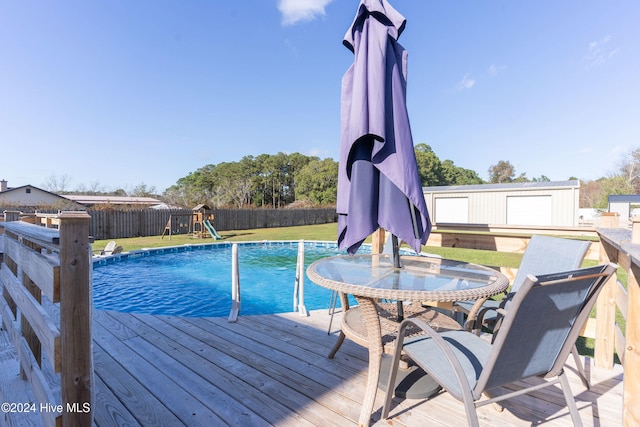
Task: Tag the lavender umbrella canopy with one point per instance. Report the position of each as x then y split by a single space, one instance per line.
378 181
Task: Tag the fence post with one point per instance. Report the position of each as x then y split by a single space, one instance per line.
75 320
610 220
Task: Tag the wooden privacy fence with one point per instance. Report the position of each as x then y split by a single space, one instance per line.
115 224
112 224
243 219
46 309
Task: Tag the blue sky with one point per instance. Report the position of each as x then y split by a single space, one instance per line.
127 92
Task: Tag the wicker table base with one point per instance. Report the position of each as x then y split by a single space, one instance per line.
355 328
411 382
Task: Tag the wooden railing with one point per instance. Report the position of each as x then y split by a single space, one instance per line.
501 238
622 246
46 309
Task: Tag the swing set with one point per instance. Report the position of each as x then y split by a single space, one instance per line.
198 222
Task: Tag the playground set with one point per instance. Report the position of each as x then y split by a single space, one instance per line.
198 222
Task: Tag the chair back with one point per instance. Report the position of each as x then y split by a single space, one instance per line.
545 255
109 248
542 324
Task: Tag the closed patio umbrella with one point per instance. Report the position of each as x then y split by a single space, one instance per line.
378 181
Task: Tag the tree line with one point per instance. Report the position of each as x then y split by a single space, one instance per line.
279 180
284 179
625 179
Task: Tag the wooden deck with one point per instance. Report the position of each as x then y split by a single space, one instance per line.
272 370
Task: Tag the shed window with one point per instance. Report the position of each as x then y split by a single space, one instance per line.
28 190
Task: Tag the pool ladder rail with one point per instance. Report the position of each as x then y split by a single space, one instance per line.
298 290
235 285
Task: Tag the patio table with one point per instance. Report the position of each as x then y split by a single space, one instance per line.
372 277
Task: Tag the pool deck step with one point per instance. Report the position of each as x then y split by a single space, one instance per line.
273 370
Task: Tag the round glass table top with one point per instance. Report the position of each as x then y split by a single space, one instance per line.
419 278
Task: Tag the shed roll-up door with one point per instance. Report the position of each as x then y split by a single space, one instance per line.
529 210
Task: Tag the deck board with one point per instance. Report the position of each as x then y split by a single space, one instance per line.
10 380
306 381
226 372
273 370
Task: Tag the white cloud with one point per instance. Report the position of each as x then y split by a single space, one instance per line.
494 69
295 11
600 51
467 82
619 149
291 46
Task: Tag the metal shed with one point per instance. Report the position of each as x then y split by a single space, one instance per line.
551 203
623 204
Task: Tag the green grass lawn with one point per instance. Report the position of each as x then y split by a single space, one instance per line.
307 232
328 232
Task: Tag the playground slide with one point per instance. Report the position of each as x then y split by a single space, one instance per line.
212 230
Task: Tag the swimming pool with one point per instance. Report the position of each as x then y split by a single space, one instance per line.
195 280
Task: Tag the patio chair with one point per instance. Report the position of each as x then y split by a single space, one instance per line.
111 248
543 255
537 333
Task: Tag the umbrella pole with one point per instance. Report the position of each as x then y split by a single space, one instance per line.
396 251
414 220
396 264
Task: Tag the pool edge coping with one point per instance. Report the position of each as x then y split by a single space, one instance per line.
107 259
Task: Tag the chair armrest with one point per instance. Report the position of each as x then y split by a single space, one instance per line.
501 313
471 322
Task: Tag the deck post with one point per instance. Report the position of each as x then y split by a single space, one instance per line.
635 230
77 381
604 347
10 216
631 387
377 241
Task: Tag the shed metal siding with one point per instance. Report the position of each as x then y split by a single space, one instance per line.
488 203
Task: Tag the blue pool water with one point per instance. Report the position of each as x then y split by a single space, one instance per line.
195 280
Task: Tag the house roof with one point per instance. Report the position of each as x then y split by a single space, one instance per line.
114 200
91 200
14 189
624 198
501 187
